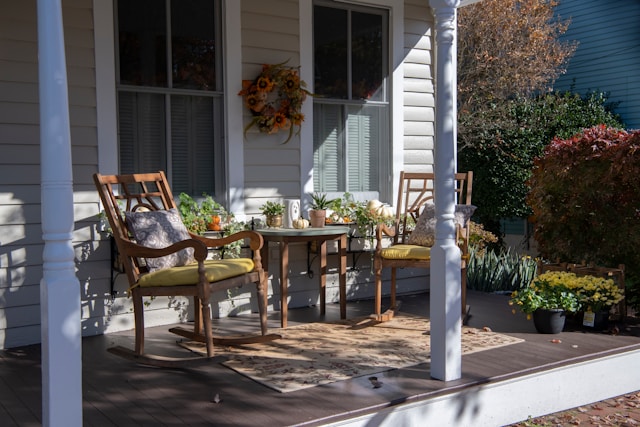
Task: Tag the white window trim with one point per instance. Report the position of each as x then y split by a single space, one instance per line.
106 108
234 137
396 55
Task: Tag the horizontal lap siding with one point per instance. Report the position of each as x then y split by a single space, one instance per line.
270 35
419 92
608 55
21 242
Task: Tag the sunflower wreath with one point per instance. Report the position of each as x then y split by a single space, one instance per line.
275 99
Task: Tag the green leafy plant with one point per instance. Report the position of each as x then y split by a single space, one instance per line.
547 291
498 271
585 195
319 201
270 208
500 142
197 215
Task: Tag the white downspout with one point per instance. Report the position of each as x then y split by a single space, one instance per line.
59 287
446 295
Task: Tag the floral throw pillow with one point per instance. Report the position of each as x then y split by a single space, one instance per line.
425 232
159 229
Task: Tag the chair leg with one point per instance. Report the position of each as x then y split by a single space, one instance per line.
206 323
393 288
463 283
197 316
378 283
262 302
138 315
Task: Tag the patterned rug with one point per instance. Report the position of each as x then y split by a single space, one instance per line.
320 353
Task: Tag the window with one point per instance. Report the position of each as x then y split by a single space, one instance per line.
351 134
170 98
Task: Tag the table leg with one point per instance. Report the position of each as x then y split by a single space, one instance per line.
323 276
342 249
284 282
264 258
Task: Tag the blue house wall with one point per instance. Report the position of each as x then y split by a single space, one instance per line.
608 55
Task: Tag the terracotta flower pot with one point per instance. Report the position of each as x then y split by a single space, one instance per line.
317 218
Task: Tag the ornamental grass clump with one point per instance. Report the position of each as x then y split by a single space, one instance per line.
548 291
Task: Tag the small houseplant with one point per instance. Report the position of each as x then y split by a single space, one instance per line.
547 299
273 211
318 212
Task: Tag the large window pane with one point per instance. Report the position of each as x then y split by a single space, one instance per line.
352 115
367 56
192 147
331 52
193 44
142 42
173 125
328 147
348 144
142 132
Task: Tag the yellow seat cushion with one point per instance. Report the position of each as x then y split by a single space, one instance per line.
406 252
188 274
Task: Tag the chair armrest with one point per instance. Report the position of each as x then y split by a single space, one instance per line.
462 240
381 231
135 250
255 239
255 243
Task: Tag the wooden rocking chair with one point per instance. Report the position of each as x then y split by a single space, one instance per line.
154 247
416 190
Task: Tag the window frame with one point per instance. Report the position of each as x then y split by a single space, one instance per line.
385 148
219 97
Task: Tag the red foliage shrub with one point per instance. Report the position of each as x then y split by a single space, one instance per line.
585 195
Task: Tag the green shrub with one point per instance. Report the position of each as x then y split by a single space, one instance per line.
499 144
585 196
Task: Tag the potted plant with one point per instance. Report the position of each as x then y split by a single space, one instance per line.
597 296
273 211
201 216
318 212
547 299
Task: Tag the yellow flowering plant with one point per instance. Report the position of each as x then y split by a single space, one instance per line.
545 292
595 294
568 291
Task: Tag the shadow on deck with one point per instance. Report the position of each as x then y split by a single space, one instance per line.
498 386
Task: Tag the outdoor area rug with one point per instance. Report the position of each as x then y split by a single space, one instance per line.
320 353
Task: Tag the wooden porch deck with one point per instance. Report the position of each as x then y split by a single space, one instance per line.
498 386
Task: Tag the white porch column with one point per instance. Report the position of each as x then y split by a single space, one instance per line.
59 287
446 320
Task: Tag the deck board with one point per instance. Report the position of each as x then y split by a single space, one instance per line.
118 392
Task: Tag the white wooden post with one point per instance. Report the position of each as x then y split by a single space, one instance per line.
446 295
59 287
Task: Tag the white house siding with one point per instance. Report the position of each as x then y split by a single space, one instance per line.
608 56
20 230
270 33
419 93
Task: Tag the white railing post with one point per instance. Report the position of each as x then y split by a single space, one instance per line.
59 287
445 301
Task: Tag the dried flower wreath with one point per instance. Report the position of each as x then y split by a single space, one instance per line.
275 99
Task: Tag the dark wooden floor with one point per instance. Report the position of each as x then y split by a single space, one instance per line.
120 393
